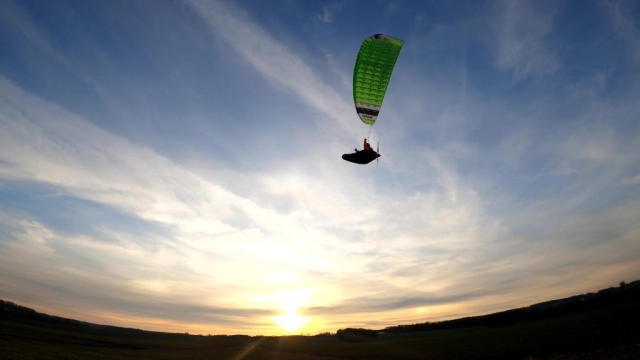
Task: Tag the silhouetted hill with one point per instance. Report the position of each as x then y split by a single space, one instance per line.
545 310
10 309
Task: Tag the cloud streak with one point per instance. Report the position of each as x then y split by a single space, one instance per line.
272 59
521 30
624 25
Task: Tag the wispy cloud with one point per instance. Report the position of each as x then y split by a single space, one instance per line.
393 6
329 11
326 16
17 19
273 60
344 78
521 28
624 24
631 180
591 142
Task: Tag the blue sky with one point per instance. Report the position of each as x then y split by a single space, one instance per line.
175 165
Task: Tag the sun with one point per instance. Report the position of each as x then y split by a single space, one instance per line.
290 321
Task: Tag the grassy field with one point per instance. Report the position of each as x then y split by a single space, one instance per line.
612 332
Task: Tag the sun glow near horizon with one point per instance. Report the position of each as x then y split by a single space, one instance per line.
288 302
291 321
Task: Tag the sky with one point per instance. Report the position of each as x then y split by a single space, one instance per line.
176 165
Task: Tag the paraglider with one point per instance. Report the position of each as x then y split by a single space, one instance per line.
371 74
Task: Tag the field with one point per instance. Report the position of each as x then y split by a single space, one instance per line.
607 332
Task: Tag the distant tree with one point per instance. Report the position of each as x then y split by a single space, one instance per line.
623 284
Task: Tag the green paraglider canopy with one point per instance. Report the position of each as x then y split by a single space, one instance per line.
371 75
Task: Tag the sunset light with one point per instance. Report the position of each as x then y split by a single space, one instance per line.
290 321
178 165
